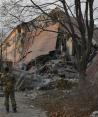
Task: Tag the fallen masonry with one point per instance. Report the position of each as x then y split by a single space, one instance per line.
47 75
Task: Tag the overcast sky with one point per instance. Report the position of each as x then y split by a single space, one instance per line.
95 1
70 2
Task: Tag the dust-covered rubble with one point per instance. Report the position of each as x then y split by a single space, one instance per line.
46 76
94 114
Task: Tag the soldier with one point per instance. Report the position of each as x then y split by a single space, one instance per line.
8 81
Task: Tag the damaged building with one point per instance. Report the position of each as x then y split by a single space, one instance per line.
39 41
34 39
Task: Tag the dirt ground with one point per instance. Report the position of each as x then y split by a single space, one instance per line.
24 109
59 103
54 103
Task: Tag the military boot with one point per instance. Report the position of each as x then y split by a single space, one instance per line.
14 110
7 109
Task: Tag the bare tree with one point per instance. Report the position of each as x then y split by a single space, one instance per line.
82 41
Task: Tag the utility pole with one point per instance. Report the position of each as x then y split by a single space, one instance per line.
1 50
1 65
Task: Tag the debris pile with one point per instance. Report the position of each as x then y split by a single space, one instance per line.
48 76
94 114
55 71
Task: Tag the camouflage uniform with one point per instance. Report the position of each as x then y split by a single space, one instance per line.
8 81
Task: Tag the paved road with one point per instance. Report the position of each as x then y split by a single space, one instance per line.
24 110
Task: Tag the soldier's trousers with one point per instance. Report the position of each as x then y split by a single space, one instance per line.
10 96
